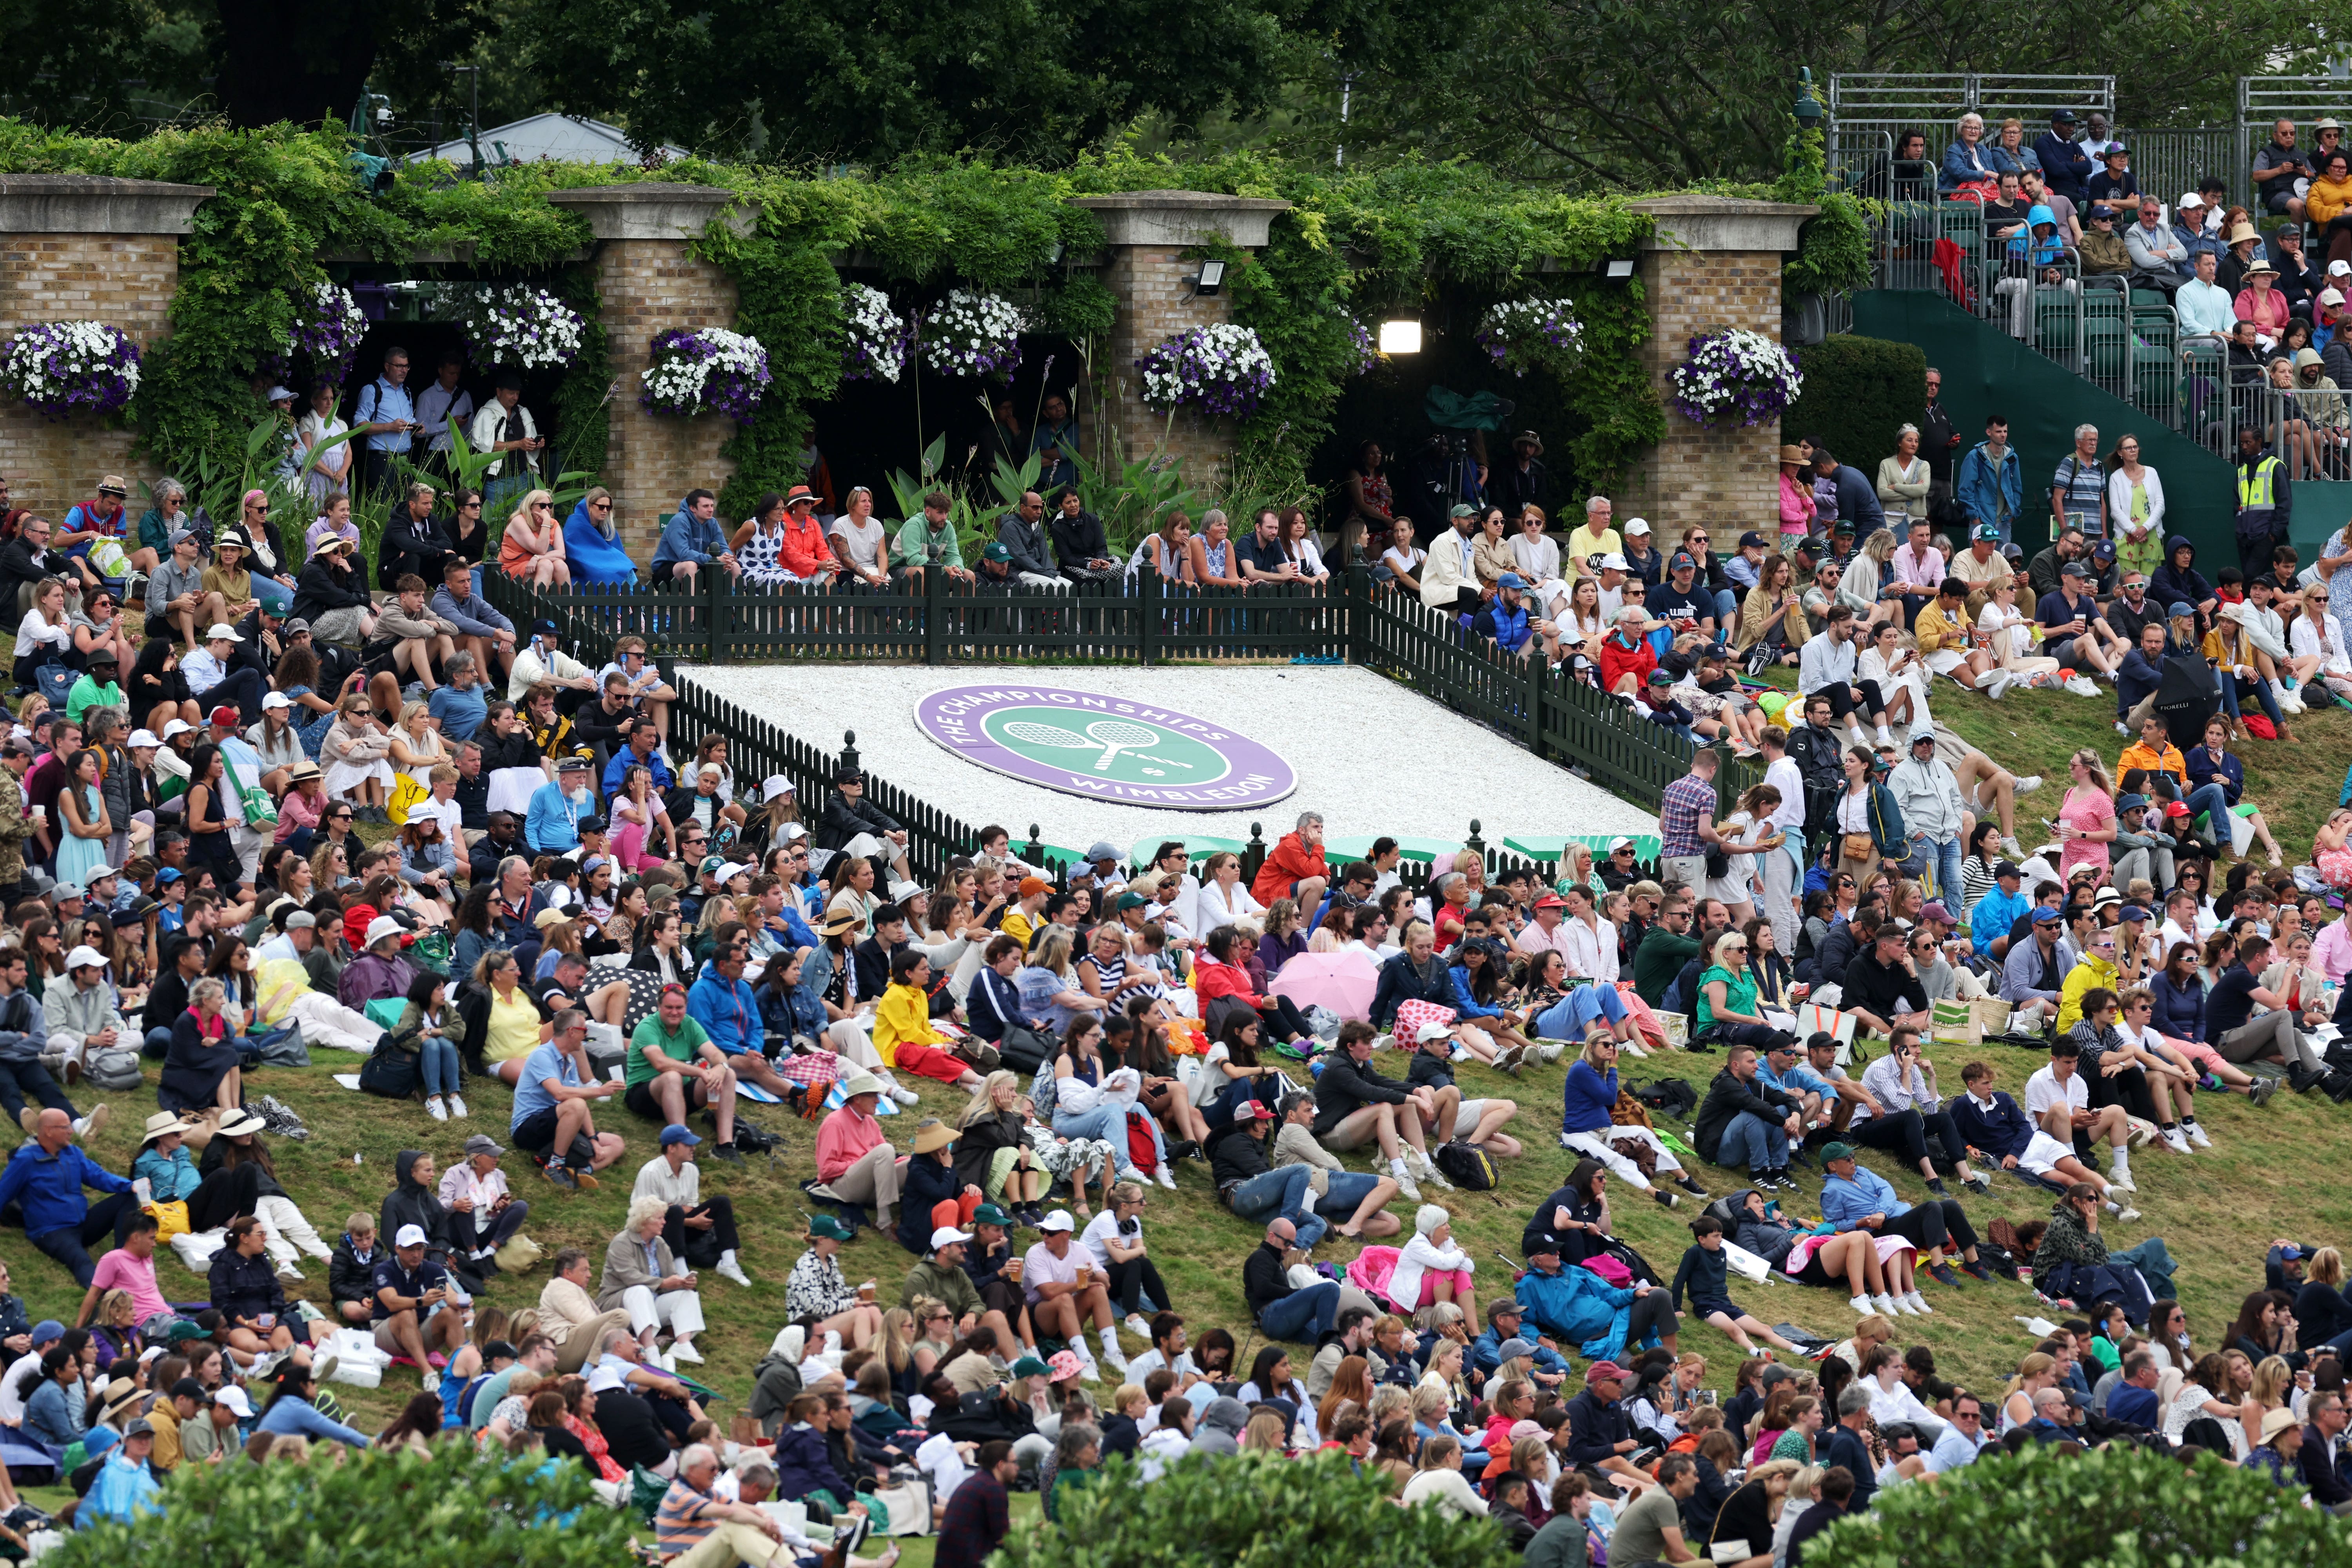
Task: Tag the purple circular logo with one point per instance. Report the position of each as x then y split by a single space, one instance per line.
1108 748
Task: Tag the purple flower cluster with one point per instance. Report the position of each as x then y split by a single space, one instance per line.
1359 339
71 367
1732 371
716 370
1225 369
330 336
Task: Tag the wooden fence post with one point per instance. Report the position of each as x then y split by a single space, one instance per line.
1147 631
1357 608
1538 688
935 620
713 579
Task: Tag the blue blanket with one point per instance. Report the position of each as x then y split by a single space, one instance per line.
595 558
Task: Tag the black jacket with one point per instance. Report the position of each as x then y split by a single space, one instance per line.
1878 987
321 587
410 1203
1262 1280
1345 1087
349 1277
411 546
1726 1096
1234 1155
245 1286
1935 441
1078 540
482 860
599 728
1512 490
1599 1426
843 821
1816 755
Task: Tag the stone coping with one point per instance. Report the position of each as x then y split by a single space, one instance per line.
652 209
1723 223
1183 218
93 204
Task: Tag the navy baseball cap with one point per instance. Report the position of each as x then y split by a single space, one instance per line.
677 1133
1682 563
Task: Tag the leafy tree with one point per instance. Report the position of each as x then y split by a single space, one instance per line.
376 1510
1670 91
2118 1506
1251 1512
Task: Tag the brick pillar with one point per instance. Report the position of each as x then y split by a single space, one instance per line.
1145 268
79 249
1713 261
648 283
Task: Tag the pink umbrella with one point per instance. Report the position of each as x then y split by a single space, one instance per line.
1342 982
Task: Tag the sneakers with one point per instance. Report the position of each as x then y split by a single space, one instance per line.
1139 1326
1863 1306
1407 1188
1944 1276
435 1109
29 1119
2176 1141
1510 1059
457 1106
1977 1271
1900 1307
1935 1185
2025 786
2000 682
1166 1178
557 1172
1693 1188
2082 687
287 1271
1884 1305
2121 1181
902 1094
2264 1088
1663 1198
1549 1051
728 1269
683 1350
1918 1303
2127 1212
2196 1132
1978 1183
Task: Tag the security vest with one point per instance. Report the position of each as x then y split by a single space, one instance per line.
2258 486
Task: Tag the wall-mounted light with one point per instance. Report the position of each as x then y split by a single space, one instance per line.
1614 269
1401 337
1212 277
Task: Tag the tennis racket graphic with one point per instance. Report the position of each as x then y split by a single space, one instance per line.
1110 735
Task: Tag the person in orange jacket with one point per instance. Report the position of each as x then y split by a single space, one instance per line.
1296 870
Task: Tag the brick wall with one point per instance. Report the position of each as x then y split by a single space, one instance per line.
1726 477
124 280
649 286
1153 285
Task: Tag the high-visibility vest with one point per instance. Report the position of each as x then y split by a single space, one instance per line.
2257 491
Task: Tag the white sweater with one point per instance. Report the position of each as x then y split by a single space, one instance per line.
1416 1257
1445 1489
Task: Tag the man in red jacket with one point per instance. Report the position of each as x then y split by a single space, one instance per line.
1297 869
1627 656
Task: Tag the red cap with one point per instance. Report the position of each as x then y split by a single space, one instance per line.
1551 902
1603 1372
225 717
2176 808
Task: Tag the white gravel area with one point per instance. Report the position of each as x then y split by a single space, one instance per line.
1371 756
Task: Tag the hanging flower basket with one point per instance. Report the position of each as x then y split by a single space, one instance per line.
330 337
71 367
1223 369
973 334
517 327
1732 371
1522 336
713 370
876 349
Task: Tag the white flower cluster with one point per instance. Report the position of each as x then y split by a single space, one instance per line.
681 372
973 334
1218 365
518 327
876 348
1734 370
65 361
340 321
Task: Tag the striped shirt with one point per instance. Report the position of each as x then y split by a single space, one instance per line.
683 1520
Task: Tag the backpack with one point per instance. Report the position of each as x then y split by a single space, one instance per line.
390 1070
1465 1167
1671 1095
113 1067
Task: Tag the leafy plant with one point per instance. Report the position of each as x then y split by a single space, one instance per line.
1250 1511
1132 496
2117 1506
377 1509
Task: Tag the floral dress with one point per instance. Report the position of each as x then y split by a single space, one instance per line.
816 1287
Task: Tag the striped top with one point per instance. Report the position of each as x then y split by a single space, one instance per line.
683 1521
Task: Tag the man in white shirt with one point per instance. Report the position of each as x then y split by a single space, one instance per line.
2060 1104
444 404
1826 668
694 1230
2181 922
1777 867
2207 314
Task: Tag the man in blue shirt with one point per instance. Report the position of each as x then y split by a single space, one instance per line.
1844 1445
486 634
2000 909
46 1175
1956 1446
552 826
1682 603
730 1013
552 1117
1858 1198
692 541
383 421
2073 632
1857 497
644 748
458 702
1505 617
2133 1401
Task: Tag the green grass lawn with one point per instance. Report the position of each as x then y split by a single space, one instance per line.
2217 1210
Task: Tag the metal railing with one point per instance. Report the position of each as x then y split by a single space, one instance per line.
2309 429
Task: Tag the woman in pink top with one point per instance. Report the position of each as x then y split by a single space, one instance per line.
2259 303
2087 819
1797 505
853 1158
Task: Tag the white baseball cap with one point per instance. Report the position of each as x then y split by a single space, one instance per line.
142 738
1058 1220
222 631
948 1236
1636 525
1614 563
2339 269
1429 1032
276 699
2189 199
172 727
231 1398
409 1235
85 957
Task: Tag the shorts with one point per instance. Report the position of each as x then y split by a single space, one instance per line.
535 1134
1816 1273
1944 660
1465 1118
639 1099
2275 202
2041 1156
661 572
1709 1306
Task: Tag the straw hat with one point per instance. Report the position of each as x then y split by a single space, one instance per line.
1791 455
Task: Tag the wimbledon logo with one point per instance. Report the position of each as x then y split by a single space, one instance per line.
1110 748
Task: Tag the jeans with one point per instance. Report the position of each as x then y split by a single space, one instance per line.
437 1060
242 687
267 591
23 1081
69 1245
1726 613
1751 1141
1282 1192
1304 1316
1573 1015
1944 857
1345 1193
1935 1223
1108 1122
